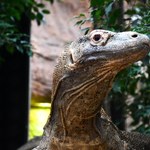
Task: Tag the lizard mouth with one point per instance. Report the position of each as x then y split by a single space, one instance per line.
108 55
147 45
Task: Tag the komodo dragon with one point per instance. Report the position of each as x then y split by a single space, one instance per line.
82 79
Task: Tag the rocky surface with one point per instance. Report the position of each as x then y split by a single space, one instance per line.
49 39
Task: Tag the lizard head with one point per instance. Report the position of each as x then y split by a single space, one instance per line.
118 49
85 71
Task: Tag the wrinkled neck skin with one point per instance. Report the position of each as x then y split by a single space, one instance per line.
82 101
76 105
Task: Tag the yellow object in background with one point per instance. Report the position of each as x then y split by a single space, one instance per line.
39 113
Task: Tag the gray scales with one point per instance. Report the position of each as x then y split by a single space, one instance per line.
81 81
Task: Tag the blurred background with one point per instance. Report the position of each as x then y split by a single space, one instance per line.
33 34
48 40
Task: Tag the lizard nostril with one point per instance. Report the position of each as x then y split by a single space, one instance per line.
134 35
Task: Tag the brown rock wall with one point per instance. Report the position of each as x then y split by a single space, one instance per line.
48 41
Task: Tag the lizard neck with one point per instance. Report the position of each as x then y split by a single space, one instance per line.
76 115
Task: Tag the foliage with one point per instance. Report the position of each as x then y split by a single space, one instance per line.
133 82
11 12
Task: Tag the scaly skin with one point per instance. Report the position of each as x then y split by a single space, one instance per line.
82 79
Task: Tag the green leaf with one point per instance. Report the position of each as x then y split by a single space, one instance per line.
40 5
130 12
97 3
39 18
35 9
24 42
19 48
10 48
82 15
80 22
85 30
29 52
5 24
32 15
108 9
51 1
45 11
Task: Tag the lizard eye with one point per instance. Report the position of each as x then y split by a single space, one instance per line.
99 37
96 37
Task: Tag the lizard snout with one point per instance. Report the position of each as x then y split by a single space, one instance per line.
142 37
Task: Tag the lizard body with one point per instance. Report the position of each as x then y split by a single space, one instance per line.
82 79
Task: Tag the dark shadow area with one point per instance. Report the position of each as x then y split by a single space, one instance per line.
14 95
